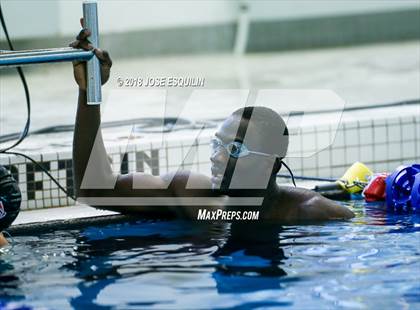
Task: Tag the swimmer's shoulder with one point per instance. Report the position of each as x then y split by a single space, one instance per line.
306 205
184 180
175 182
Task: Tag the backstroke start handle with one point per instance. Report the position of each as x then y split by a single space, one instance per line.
90 20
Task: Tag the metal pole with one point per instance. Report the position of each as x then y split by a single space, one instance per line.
90 19
30 57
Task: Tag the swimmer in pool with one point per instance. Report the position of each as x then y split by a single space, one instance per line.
248 149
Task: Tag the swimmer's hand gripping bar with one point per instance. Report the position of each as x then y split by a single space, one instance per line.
39 56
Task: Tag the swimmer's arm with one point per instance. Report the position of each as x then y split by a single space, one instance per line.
87 142
171 185
305 205
87 137
320 208
86 131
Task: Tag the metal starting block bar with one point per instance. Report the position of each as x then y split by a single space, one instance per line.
41 56
31 57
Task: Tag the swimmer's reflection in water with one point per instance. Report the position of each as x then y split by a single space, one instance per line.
250 260
243 260
248 149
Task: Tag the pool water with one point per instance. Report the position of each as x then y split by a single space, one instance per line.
370 262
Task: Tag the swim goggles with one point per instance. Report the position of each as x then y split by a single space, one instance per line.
235 149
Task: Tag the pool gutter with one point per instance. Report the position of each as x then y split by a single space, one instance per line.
73 217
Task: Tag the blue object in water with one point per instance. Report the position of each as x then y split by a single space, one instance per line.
402 189
415 193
